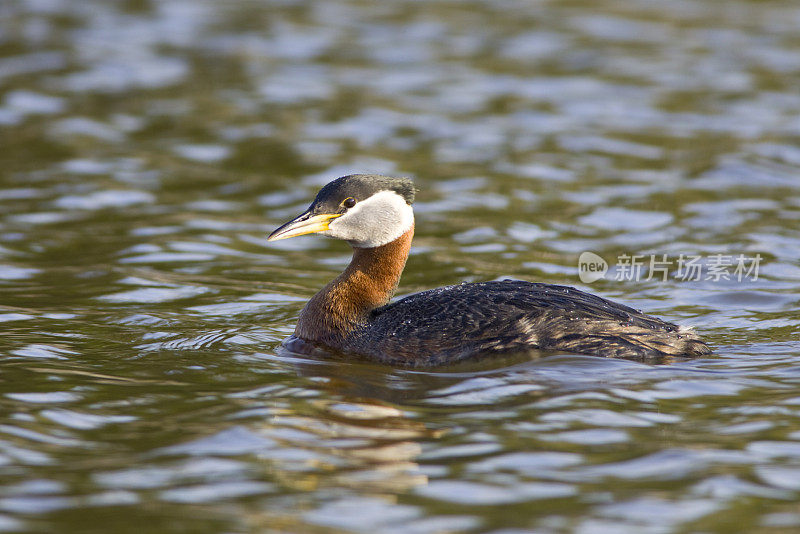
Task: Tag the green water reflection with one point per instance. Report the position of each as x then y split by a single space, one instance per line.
147 148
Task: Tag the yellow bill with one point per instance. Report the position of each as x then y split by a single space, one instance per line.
302 225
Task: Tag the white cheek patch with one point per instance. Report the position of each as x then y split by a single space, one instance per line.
373 222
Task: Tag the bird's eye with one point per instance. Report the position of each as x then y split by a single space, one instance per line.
349 202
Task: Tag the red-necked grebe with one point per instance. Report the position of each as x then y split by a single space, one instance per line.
352 314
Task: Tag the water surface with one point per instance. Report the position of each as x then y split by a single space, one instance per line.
147 149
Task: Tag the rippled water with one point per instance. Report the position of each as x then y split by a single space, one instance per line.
147 148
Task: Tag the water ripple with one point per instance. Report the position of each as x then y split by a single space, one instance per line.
150 147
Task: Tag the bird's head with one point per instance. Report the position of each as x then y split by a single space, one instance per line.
366 210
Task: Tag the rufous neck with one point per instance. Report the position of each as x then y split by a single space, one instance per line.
367 283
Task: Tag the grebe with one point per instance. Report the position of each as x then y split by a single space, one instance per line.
352 313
